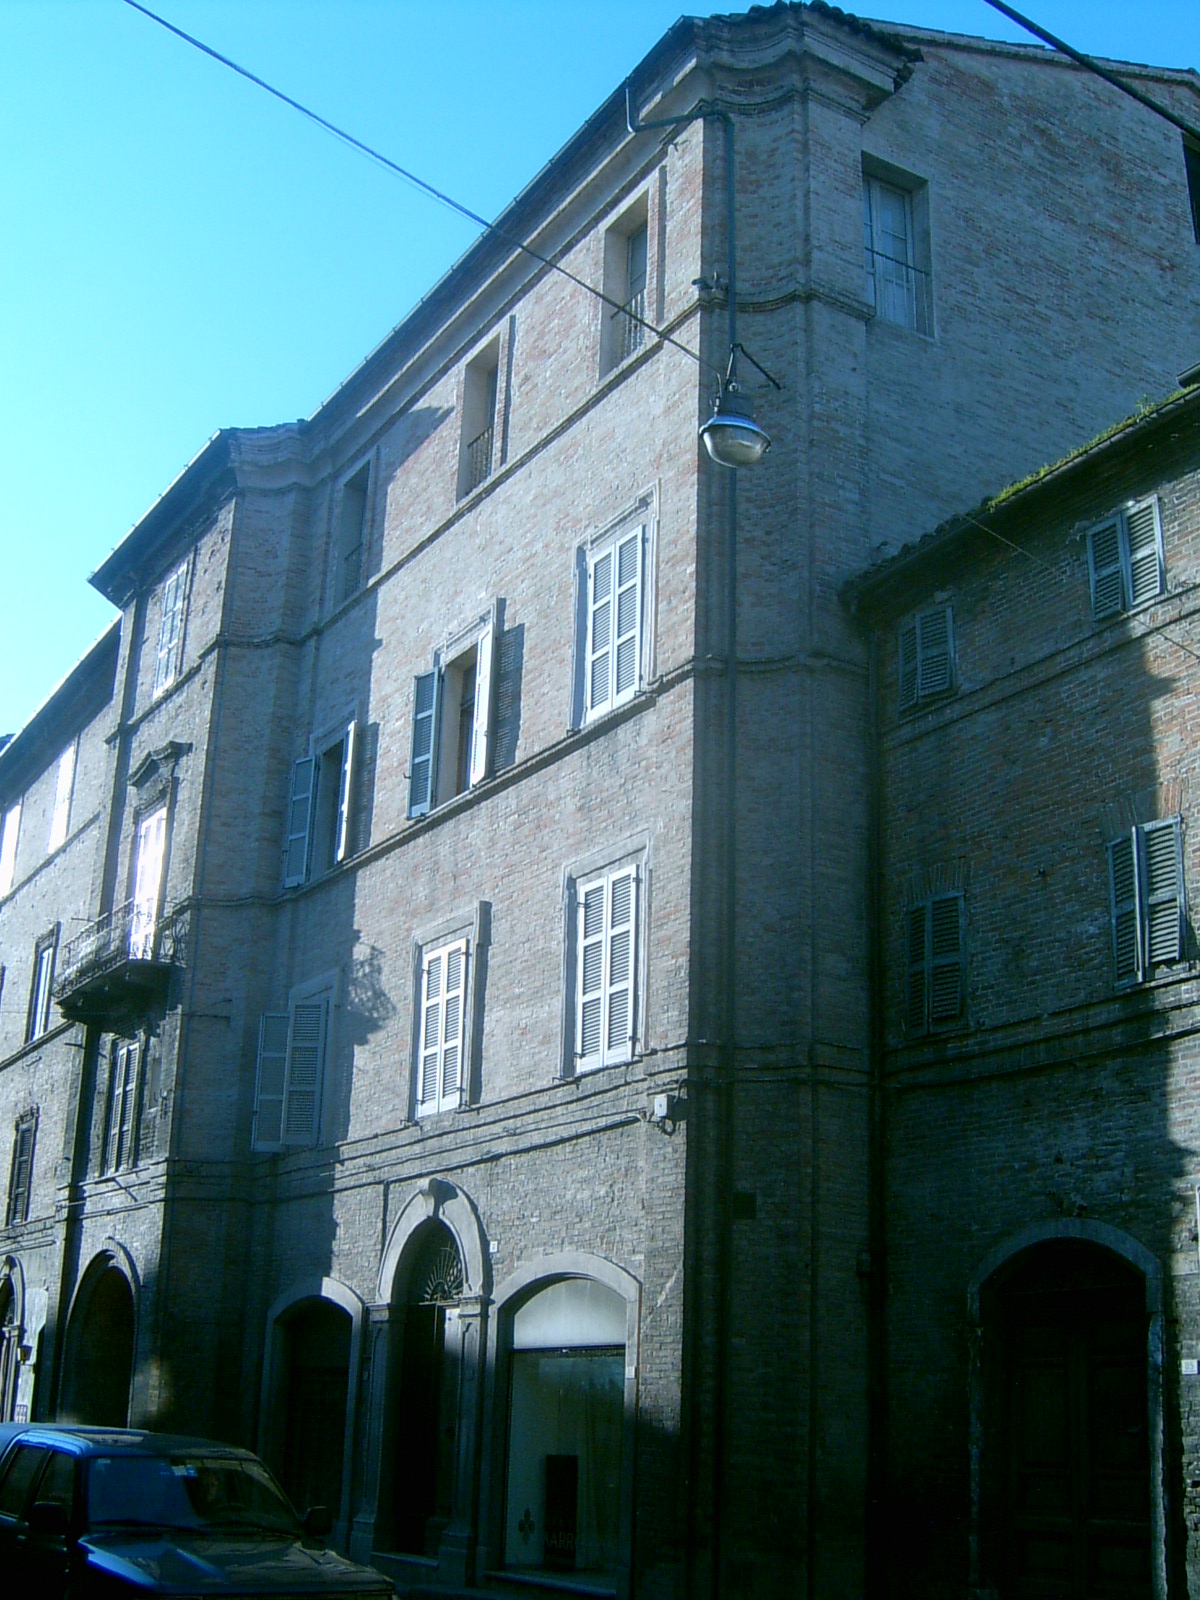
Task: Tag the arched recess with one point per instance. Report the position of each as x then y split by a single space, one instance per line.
101 1339
563 1420
310 1380
1066 1412
12 1329
437 1200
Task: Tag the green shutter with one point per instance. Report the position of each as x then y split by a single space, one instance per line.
422 766
916 937
1126 908
946 958
1104 566
1162 854
270 1079
1144 534
305 1068
299 816
908 666
935 653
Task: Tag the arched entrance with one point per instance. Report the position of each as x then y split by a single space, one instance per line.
100 1365
1068 1501
316 1359
426 1391
10 1338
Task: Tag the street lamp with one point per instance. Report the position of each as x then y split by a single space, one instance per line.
731 435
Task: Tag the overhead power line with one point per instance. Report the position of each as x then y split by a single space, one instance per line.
419 183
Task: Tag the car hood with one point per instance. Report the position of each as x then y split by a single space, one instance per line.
180 1563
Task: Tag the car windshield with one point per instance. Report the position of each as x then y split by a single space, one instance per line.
197 1492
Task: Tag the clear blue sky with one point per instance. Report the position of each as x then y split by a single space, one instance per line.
179 252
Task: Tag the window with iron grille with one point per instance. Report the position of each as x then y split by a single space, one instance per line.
896 248
606 969
935 963
926 657
477 441
170 628
351 533
1148 902
1125 559
293 1049
626 269
20 1176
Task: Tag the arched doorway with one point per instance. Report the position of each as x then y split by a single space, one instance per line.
100 1368
317 1365
10 1338
1068 1444
427 1399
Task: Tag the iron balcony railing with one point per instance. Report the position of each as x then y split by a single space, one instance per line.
900 293
129 932
629 327
479 458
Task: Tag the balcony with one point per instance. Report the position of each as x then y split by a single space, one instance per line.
120 964
630 327
479 458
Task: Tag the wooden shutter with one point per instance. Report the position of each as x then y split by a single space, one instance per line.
341 843
935 652
916 1013
270 1080
621 956
1104 565
422 767
908 666
1162 856
627 641
589 1024
1144 533
299 819
21 1175
481 729
945 958
305 1066
1126 908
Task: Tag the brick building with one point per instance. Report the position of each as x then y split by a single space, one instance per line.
439 1033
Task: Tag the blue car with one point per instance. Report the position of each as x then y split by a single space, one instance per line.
91 1512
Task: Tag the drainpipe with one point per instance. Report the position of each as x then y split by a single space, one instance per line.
876 1263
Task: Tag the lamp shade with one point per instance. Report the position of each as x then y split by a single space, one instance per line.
731 435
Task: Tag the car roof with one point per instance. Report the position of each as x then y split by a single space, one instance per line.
115 1441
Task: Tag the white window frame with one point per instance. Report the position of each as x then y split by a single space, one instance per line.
1147 900
440 1059
169 655
1126 561
432 768
41 986
305 796
9 832
936 961
294 1052
898 278
607 980
149 861
64 784
607 678
926 649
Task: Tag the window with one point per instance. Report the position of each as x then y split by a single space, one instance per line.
613 582
441 1043
606 952
1148 902
1125 559
926 657
626 263
319 807
60 820
8 846
477 441
147 884
453 715
38 1020
20 1176
352 533
120 1120
170 629
935 962
896 246
292 1050
1191 166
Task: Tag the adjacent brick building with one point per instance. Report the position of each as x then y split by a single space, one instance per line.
464 1077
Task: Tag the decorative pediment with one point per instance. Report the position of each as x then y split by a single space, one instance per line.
153 774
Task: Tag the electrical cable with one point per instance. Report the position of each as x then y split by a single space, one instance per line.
418 183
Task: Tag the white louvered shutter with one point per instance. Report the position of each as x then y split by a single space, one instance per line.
453 1018
1126 908
945 958
481 729
600 631
1104 564
299 817
627 641
170 631
916 1012
1162 851
270 1079
346 791
421 767
589 1026
443 1007
305 1066
1145 552
935 651
908 666
622 909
